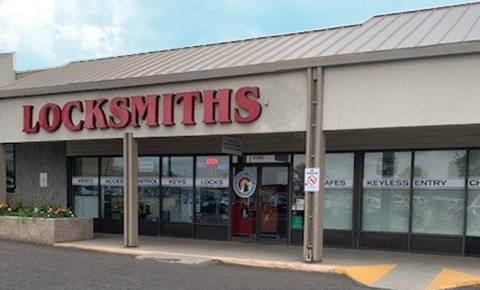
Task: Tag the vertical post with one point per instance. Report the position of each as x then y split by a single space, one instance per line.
3 174
130 194
315 157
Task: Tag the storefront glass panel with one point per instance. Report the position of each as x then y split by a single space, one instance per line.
298 193
338 203
111 183
10 160
177 189
473 207
212 189
274 202
149 188
386 191
439 190
85 187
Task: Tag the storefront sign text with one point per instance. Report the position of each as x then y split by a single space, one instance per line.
152 110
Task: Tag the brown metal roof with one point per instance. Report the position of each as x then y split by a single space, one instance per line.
454 24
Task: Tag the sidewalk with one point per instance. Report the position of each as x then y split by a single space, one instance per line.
392 270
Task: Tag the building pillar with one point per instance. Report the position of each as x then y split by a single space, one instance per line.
3 174
315 157
130 194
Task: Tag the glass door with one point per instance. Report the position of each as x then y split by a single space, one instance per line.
245 203
274 203
260 203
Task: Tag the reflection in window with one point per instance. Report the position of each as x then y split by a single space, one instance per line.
274 203
298 194
386 191
148 188
85 187
177 189
212 182
111 182
439 189
473 208
338 203
10 160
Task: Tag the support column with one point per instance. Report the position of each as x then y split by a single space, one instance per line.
130 191
3 174
315 157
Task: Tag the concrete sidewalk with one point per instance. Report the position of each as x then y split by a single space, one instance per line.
392 270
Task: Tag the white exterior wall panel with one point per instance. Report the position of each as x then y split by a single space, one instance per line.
419 92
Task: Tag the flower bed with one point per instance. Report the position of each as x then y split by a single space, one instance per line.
42 210
42 224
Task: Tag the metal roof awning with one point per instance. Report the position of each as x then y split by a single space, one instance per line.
421 33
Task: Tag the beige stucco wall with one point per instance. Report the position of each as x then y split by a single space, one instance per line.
421 92
7 68
283 98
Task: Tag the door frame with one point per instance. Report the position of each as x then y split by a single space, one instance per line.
258 205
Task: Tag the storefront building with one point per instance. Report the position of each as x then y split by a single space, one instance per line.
387 109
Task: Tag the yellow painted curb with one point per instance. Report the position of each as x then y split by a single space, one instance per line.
448 278
366 274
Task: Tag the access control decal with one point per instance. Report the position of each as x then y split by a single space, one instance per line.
151 110
244 184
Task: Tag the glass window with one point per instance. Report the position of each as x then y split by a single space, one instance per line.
10 160
473 207
85 187
338 201
111 182
212 183
439 190
149 188
177 189
298 193
386 191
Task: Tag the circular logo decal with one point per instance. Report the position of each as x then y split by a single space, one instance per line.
244 184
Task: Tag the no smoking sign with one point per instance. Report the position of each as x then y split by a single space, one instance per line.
312 179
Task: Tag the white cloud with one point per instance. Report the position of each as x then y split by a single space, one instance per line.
56 30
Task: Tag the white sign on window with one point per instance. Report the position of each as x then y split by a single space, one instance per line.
84 181
438 183
111 181
177 181
387 183
212 182
338 183
148 181
146 166
312 179
232 145
474 183
43 179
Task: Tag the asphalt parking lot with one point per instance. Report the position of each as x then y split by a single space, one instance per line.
25 266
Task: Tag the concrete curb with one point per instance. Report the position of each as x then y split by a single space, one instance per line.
232 261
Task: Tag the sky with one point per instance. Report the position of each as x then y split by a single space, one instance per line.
48 33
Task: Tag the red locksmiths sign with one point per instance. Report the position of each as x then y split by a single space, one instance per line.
151 110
